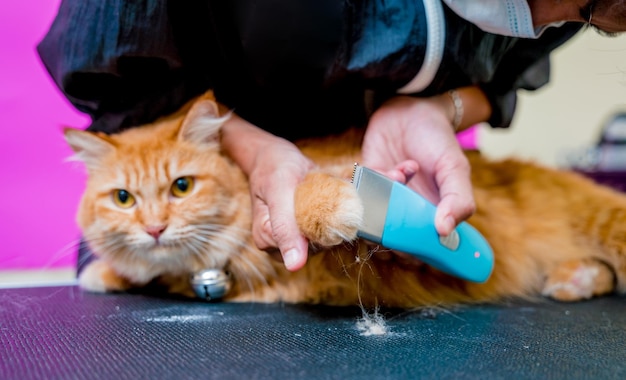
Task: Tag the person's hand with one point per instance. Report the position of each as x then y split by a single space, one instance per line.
412 141
274 167
278 169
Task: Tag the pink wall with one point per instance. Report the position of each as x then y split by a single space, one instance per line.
38 191
469 138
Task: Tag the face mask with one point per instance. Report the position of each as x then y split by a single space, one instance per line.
505 17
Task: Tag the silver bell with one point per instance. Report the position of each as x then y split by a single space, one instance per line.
210 284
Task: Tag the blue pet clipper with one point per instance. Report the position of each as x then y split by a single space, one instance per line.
398 218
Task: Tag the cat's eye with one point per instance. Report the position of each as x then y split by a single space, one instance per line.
123 198
182 187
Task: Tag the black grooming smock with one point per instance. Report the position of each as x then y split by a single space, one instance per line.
293 67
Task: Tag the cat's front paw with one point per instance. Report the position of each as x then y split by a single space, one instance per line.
99 277
328 209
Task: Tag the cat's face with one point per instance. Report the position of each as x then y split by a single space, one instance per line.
159 195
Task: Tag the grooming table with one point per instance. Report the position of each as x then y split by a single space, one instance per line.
64 333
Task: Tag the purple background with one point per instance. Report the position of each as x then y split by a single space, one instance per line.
39 191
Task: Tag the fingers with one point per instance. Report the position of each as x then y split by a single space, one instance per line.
261 225
402 172
277 228
279 231
455 189
272 185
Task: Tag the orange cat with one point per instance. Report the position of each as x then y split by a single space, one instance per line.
163 202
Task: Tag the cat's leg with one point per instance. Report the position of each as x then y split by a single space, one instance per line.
328 209
177 284
99 277
579 279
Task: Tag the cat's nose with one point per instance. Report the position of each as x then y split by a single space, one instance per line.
155 231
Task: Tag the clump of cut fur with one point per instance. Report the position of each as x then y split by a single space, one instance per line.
372 323
163 201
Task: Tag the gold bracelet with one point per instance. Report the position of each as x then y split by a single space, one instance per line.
458 109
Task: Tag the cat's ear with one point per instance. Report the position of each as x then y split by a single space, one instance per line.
202 123
88 147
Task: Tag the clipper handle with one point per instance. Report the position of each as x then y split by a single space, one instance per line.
409 227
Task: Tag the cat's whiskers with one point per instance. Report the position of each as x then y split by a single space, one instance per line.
236 247
218 241
234 236
99 240
85 258
114 245
212 244
194 249
226 241
67 250
232 233
260 277
219 238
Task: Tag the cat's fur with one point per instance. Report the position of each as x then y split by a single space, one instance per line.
553 232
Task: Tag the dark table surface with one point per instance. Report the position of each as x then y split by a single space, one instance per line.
64 333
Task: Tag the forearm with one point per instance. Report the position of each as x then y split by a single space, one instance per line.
274 167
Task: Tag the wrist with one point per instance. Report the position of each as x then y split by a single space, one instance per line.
458 110
445 102
466 106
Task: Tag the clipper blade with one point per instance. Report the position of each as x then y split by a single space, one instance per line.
356 169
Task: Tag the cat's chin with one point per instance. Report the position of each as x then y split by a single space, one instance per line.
160 252
153 246
178 258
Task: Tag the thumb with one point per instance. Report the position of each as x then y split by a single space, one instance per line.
292 245
286 235
457 199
